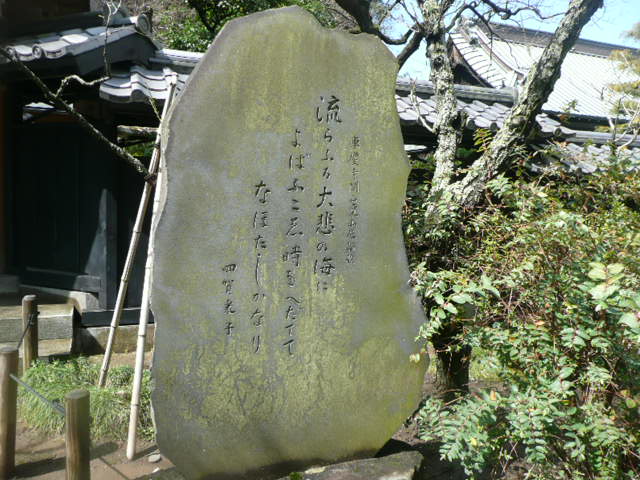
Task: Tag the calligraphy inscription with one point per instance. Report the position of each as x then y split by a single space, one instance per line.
315 169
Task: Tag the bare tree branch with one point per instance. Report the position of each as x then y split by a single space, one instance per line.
409 49
94 132
506 13
360 11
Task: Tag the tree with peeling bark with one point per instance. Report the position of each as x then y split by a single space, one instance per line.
455 191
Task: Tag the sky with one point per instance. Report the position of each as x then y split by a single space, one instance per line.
607 25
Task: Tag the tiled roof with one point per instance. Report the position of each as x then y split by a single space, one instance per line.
485 108
504 59
582 158
573 150
73 42
137 83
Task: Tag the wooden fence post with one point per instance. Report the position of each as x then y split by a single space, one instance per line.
8 407
30 341
78 438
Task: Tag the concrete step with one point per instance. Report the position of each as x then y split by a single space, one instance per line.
55 327
93 341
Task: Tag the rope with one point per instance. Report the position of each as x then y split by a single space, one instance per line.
54 405
30 323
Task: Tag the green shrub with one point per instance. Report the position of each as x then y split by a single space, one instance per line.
109 405
546 281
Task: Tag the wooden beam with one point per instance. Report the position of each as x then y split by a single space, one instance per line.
132 133
8 408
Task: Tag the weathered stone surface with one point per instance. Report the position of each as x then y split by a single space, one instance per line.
284 318
400 466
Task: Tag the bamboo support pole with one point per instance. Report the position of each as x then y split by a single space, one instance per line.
139 365
77 435
30 325
144 319
8 409
133 247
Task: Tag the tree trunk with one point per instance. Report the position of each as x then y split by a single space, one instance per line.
539 84
448 124
452 366
461 195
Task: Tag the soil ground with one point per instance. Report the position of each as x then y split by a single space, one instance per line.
43 458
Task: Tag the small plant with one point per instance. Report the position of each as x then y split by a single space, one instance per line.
109 405
546 282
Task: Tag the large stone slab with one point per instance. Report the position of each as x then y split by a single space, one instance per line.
284 318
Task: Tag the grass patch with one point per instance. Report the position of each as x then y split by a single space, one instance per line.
109 405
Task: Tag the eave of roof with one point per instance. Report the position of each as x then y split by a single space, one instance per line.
527 36
82 49
501 61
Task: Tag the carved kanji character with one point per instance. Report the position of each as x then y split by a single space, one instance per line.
262 192
289 345
324 266
296 138
255 341
257 317
293 255
260 219
291 278
323 197
227 286
327 157
228 307
295 187
229 328
260 242
294 228
325 223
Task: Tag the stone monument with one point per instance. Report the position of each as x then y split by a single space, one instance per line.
285 321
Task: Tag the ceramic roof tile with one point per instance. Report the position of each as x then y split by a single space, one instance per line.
506 59
138 84
73 41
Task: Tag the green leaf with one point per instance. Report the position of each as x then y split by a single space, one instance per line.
630 319
565 372
462 298
614 269
597 272
603 291
630 403
450 308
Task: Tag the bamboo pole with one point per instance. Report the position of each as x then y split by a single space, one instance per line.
77 435
144 319
133 247
8 408
30 326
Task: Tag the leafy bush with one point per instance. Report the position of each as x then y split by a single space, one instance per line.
546 281
109 405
